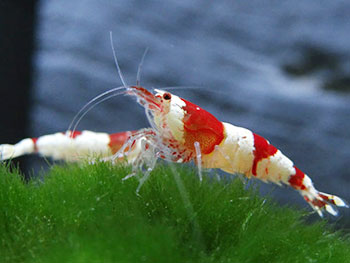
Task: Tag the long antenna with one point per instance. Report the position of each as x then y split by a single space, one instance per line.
91 107
98 99
138 76
90 104
116 61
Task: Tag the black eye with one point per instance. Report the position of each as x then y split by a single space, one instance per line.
167 96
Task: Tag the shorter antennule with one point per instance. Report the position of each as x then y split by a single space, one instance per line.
138 76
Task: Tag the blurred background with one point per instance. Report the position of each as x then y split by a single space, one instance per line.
279 68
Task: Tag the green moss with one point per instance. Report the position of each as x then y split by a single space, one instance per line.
88 214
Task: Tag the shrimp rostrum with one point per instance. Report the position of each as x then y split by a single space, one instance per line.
183 132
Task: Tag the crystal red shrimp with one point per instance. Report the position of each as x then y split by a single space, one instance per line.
182 132
185 132
70 146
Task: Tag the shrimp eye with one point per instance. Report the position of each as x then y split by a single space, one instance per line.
167 96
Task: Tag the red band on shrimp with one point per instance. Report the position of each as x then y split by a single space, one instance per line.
72 134
34 142
262 150
201 126
327 199
75 134
117 140
296 180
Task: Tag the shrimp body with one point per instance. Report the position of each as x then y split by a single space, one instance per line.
247 153
180 132
185 132
68 146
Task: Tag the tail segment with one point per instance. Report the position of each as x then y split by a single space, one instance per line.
9 151
319 201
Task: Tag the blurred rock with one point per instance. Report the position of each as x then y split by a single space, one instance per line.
341 84
310 60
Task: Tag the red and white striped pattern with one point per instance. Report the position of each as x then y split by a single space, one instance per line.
67 146
182 131
184 125
247 153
